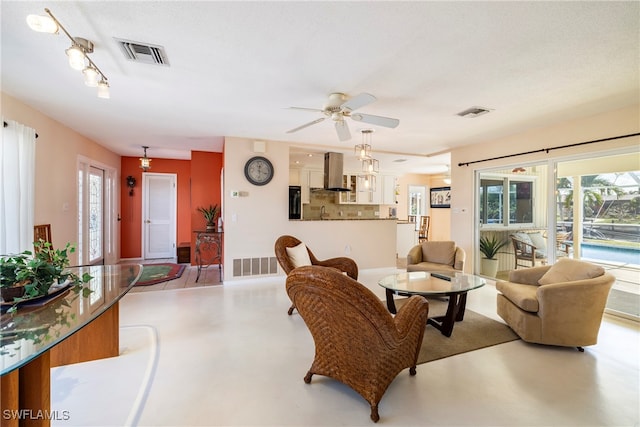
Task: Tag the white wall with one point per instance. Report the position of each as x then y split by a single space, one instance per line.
261 216
56 189
611 124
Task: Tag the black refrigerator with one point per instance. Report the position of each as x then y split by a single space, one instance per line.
295 202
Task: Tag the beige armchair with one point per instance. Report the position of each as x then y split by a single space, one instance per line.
357 341
435 256
556 305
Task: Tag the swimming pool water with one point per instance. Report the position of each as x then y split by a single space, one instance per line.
611 254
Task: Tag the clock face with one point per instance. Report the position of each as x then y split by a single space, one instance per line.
258 170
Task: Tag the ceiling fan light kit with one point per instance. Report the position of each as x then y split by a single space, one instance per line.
339 107
78 53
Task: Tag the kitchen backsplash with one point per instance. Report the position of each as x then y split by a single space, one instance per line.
333 210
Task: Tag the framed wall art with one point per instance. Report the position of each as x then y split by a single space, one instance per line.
441 197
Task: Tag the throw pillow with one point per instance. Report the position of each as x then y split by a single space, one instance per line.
439 252
524 237
299 255
540 243
570 270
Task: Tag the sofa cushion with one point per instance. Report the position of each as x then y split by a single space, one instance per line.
429 266
523 296
299 255
439 252
570 270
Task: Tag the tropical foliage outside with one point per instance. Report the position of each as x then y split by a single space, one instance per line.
611 212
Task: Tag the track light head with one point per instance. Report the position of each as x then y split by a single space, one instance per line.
42 24
90 76
103 89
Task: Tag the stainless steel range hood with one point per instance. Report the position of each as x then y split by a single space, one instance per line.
333 171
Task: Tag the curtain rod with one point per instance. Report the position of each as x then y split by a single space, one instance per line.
549 149
7 124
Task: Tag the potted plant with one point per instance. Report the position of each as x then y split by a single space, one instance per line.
29 274
490 244
210 215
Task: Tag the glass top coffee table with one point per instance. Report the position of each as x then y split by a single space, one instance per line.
455 285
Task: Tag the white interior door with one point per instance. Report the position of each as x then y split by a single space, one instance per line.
159 215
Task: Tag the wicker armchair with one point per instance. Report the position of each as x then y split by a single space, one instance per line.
344 264
357 341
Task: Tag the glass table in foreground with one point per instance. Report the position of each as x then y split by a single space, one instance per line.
454 285
64 328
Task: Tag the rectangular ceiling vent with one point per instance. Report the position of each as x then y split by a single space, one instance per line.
474 112
143 52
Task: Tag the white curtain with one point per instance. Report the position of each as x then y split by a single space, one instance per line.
17 183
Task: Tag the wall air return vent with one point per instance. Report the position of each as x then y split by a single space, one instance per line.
143 52
474 112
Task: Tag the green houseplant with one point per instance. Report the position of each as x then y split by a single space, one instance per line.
31 274
490 244
210 215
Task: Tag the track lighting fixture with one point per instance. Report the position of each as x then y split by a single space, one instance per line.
78 53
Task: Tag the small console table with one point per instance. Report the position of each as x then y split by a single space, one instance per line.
208 249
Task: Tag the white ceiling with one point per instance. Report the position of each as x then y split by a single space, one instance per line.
236 67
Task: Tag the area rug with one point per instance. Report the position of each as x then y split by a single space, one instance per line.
158 273
473 333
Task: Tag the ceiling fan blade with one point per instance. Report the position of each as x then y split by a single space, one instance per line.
343 130
307 109
306 125
358 101
375 120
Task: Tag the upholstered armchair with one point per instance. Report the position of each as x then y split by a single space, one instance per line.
436 256
292 253
557 305
357 341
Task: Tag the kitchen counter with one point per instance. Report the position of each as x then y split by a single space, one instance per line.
345 219
351 238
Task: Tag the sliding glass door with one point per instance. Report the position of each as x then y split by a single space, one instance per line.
585 208
598 217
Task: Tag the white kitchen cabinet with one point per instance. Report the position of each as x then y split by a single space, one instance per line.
349 181
310 178
384 194
316 179
388 190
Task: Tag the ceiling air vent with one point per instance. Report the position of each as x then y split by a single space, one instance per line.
143 52
474 112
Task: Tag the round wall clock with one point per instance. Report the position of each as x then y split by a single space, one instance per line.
258 170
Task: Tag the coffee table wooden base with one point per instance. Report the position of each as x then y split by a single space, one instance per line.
455 311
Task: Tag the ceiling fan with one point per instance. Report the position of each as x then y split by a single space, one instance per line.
339 106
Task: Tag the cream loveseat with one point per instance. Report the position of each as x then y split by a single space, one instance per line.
435 256
557 305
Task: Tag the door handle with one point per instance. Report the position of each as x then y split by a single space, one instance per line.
147 221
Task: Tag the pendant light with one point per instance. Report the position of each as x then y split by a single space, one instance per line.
145 162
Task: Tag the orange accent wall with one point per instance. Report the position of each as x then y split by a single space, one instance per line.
206 169
198 183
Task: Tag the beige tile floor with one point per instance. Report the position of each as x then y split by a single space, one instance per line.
230 356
